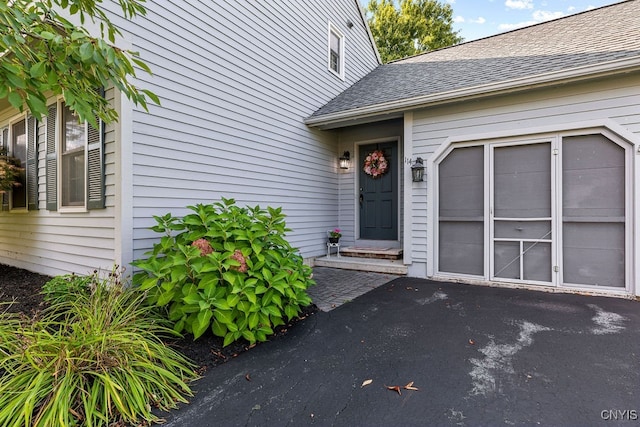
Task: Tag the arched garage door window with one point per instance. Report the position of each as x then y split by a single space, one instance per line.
550 211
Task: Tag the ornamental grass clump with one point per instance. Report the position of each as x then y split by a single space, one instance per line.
95 359
226 268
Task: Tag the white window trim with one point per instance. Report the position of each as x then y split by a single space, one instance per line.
59 130
9 145
341 62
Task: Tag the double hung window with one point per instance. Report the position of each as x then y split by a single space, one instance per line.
336 51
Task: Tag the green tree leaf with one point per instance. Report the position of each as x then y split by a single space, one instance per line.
15 100
44 54
37 70
409 27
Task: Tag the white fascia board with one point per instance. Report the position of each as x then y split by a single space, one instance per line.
565 76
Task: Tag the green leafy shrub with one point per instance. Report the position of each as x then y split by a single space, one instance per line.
228 268
95 358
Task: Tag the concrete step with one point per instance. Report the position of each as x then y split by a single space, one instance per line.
372 252
362 264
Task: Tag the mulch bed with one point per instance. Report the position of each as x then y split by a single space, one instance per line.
22 288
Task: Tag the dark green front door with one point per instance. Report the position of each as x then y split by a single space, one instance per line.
379 195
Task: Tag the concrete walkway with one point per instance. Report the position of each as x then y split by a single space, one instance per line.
335 287
477 355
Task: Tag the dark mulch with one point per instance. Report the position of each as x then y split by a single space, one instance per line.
22 288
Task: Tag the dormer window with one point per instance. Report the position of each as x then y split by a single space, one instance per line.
336 51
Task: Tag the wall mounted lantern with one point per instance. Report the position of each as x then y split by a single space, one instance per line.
345 160
417 170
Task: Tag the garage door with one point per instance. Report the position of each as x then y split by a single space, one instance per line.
552 211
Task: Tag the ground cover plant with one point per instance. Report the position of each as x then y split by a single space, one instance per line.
92 357
226 269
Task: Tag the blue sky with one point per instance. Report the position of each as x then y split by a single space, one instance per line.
480 18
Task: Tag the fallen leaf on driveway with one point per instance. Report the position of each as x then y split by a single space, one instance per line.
247 377
410 386
366 383
398 388
471 342
394 388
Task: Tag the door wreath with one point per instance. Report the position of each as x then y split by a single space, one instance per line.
375 164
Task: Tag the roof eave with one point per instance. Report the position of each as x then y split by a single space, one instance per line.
343 118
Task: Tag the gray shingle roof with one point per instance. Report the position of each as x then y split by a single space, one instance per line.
589 38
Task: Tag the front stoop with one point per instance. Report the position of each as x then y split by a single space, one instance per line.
362 264
374 253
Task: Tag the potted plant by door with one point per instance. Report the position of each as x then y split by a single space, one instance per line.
335 235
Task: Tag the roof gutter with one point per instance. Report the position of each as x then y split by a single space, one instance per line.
565 76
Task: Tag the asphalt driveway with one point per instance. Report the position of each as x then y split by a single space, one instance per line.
478 355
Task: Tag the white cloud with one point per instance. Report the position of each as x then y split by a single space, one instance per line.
458 19
538 16
544 15
590 7
519 4
509 27
480 20
571 8
451 1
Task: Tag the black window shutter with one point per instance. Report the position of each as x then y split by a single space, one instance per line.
32 163
51 160
4 145
95 163
95 166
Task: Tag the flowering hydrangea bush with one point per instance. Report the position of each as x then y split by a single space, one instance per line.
227 268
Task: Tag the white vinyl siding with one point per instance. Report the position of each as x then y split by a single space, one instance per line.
51 242
231 120
616 100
